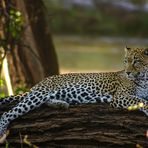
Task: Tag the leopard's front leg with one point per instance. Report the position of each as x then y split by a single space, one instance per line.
129 102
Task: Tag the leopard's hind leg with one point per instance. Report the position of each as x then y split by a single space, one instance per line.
31 101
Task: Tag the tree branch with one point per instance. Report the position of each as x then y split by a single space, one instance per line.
80 126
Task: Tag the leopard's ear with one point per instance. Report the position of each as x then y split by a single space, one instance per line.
145 52
127 48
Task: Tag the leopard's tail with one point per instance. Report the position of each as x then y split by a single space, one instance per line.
11 99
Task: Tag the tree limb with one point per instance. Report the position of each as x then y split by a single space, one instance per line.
80 126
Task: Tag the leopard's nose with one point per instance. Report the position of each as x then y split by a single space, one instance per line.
128 73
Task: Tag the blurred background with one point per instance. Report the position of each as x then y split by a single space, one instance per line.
90 35
49 37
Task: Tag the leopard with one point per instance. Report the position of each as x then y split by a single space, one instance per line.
120 89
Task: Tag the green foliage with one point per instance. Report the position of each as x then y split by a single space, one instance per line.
141 2
15 24
12 28
2 95
2 84
12 25
21 89
7 144
104 20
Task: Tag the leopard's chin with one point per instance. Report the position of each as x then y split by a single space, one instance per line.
131 77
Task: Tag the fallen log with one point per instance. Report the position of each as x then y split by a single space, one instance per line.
83 126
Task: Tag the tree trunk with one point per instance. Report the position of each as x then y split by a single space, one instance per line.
34 57
38 17
84 126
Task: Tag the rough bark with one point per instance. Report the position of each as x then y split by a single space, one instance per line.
84 126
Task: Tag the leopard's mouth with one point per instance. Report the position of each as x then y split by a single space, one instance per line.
131 76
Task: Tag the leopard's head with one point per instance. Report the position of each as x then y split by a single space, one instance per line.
136 63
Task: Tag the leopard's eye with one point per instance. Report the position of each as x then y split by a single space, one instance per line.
125 60
137 63
146 52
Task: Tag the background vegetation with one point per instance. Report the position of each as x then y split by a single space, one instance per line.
114 18
63 36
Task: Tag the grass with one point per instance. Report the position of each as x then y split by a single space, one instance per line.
85 54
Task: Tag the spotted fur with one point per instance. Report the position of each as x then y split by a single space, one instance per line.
120 89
